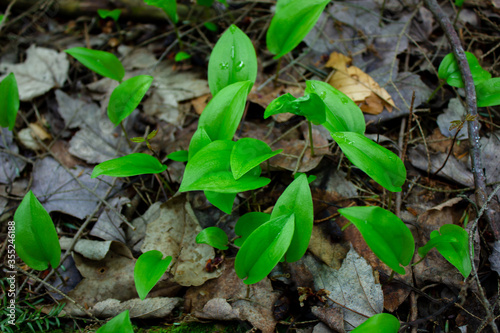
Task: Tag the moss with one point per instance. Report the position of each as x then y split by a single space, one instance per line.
194 327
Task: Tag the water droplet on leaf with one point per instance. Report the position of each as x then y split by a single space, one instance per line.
240 65
224 65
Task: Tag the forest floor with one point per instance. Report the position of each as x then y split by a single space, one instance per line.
104 224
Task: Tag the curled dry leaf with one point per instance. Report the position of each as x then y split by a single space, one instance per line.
358 85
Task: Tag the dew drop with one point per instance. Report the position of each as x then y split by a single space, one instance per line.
322 95
232 28
232 52
240 65
224 65
344 100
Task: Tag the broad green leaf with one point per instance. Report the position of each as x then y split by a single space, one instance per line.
232 60
247 224
37 243
120 323
379 323
101 62
386 235
130 165
114 14
168 6
180 56
342 114
127 96
9 101
213 236
209 170
310 106
223 114
488 92
297 200
148 270
223 201
452 241
248 153
382 165
291 23
264 248
179 156
199 140
449 70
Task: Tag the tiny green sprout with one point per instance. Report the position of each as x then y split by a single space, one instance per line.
130 165
450 72
459 3
127 96
232 60
213 236
120 323
386 235
148 270
382 165
101 62
382 322
179 156
452 242
168 6
211 26
138 139
37 243
9 101
488 92
291 23
181 56
113 14
152 135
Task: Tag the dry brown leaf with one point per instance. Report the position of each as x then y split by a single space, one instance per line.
358 85
200 103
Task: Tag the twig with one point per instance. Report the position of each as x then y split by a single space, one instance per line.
472 126
7 14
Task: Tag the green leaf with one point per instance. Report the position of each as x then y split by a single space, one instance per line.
114 14
127 96
264 248
382 322
452 242
488 92
152 134
342 114
291 23
382 165
101 62
223 201
459 3
180 56
9 101
148 270
120 323
310 178
247 224
297 200
232 60
209 170
137 139
168 6
37 243
211 26
248 153
1 18
449 70
310 106
199 140
223 114
386 235
179 156
213 236
130 165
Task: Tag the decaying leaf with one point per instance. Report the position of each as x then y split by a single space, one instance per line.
172 231
95 250
358 85
353 286
108 224
158 307
225 298
43 70
10 165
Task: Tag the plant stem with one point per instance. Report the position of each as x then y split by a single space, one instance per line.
278 68
181 45
435 91
162 180
126 136
311 138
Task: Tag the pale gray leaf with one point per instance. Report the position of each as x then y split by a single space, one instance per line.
10 165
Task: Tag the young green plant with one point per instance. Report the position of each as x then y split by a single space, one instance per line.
148 270
9 101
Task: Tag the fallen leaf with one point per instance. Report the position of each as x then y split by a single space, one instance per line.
158 307
43 70
27 139
59 190
95 250
173 233
136 58
490 154
108 224
200 103
454 112
495 257
11 166
353 286
323 248
225 298
76 112
333 317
